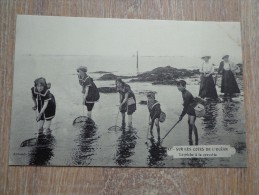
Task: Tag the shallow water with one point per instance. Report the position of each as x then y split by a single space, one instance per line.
70 145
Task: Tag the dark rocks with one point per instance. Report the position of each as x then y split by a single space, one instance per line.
143 102
111 76
101 72
164 75
107 89
165 82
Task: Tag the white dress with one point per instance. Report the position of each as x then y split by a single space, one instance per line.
207 68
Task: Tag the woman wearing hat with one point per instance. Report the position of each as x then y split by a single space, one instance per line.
89 90
207 85
228 84
127 101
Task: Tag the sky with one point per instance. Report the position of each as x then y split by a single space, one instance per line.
49 35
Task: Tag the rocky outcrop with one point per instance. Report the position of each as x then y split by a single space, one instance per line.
101 72
165 82
108 77
164 75
111 76
107 89
143 102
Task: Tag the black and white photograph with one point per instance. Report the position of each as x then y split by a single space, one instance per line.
127 93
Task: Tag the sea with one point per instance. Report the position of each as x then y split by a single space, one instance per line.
70 145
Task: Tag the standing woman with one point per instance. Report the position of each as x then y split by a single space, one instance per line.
228 84
127 101
207 86
89 90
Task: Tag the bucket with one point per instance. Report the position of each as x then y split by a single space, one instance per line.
162 117
199 110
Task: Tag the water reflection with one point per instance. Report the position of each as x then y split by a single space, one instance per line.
42 151
230 112
240 147
211 114
125 148
157 153
85 145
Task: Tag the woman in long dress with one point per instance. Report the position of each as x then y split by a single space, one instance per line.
207 85
228 84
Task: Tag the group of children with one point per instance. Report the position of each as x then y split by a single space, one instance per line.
188 108
44 101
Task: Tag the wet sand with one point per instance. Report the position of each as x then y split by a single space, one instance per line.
69 145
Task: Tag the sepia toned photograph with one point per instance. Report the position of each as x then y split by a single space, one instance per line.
127 93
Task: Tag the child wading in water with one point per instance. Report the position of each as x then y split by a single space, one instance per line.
44 102
127 101
188 103
154 113
89 90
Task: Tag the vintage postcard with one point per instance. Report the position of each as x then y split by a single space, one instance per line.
127 93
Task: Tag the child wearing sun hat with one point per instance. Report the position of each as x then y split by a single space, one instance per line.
89 90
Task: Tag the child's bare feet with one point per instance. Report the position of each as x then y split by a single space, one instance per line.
41 130
48 131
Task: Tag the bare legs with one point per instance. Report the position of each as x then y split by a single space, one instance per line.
192 128
123 120
89 114
156 122
41 124
129 120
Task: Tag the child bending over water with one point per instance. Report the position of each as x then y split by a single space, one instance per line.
188 108
154 113
127 101
44 102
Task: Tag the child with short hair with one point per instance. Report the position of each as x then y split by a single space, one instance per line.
89 90
154 113
44 102
188 109
127 101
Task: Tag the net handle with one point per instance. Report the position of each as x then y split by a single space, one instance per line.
117 117
83 105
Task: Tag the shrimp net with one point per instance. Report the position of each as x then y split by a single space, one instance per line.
83 121
115 128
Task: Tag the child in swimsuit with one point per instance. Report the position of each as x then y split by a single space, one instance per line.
188 103
127 101
154 113
89 90
44 102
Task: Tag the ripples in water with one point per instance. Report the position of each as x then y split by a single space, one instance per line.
86 144
125 147
42 150
157 154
